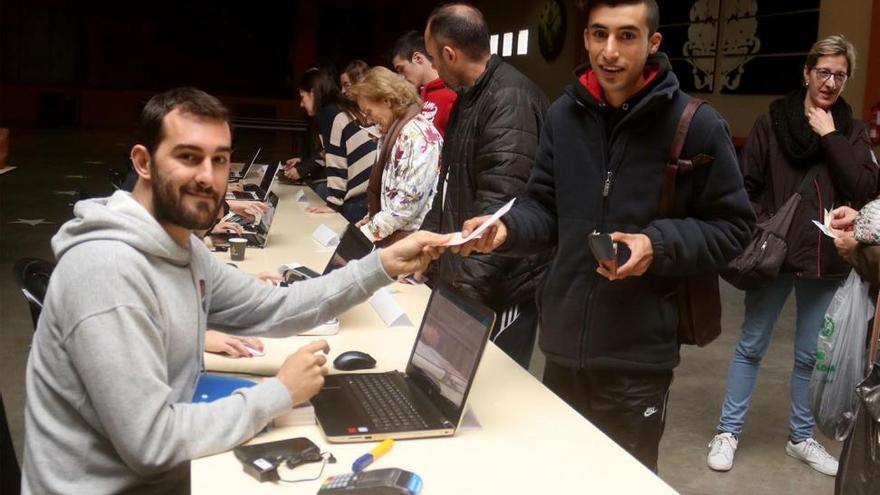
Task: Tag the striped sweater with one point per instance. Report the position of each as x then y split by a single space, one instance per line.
349 153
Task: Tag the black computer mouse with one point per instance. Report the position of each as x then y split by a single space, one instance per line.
354 360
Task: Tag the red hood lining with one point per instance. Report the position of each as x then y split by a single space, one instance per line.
591 83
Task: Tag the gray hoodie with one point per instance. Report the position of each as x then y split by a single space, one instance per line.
118 351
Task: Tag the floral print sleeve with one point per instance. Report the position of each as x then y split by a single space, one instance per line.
409 181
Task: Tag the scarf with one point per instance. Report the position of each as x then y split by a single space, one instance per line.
374 187
798 140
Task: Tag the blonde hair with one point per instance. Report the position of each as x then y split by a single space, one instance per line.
836 44
380 84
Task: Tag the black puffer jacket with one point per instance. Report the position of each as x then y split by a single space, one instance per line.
588 321
491 139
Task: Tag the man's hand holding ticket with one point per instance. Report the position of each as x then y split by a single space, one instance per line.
482 234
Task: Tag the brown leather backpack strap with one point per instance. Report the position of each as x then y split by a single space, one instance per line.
674 162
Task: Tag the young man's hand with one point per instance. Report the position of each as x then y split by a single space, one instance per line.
640 258
248 209
303 371
491 238
413 253
231 345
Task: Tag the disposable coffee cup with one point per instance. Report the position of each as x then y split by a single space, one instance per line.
237 246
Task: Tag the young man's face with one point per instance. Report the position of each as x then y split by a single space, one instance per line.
409 69
190 169
618 43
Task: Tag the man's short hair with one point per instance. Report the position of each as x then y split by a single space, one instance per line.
460 25
653 9
189 100
408 45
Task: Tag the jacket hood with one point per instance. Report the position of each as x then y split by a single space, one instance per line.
659 81
118 218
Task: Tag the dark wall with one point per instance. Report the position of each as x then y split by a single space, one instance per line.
226 47
94 62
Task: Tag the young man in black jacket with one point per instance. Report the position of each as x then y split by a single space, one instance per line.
488 154
610 337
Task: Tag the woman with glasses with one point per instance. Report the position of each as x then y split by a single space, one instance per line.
809 143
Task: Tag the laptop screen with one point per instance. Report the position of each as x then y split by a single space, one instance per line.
247 166
450 344
353 245
268 177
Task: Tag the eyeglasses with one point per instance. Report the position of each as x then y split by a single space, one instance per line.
825 74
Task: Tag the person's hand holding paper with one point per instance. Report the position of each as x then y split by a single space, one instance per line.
482 234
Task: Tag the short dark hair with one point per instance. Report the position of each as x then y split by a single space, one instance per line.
653 9
408 45
189 100
462 26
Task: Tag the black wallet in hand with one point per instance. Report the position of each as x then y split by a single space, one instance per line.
604 250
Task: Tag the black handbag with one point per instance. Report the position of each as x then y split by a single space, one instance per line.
759 263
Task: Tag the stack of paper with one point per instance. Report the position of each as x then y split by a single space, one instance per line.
303 415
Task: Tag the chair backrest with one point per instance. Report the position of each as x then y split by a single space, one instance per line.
10 473
117 178
32 276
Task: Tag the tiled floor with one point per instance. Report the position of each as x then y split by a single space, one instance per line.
54 165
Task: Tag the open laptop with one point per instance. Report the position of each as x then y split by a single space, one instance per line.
261 192
241 174
256 233
353 245
426 401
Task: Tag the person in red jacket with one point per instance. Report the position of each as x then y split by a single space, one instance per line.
411 60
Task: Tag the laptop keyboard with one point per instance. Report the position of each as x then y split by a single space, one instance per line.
386 406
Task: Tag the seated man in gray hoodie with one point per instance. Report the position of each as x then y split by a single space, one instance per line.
118 348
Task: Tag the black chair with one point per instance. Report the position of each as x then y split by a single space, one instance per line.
32 276
10 473
117 178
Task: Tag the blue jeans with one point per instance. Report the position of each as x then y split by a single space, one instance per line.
354 209
762 310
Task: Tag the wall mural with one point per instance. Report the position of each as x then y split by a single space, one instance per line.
763 43
551 29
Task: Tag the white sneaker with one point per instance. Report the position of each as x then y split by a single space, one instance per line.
814 454
721 451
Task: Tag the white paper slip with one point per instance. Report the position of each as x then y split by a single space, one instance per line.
825 230
388 309
301 196
469 421
457 238
325 236
330 327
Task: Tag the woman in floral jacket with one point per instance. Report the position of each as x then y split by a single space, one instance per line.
404 180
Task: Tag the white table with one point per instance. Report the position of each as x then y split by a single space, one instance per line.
528 442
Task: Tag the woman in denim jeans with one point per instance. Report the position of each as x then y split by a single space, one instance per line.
810 130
